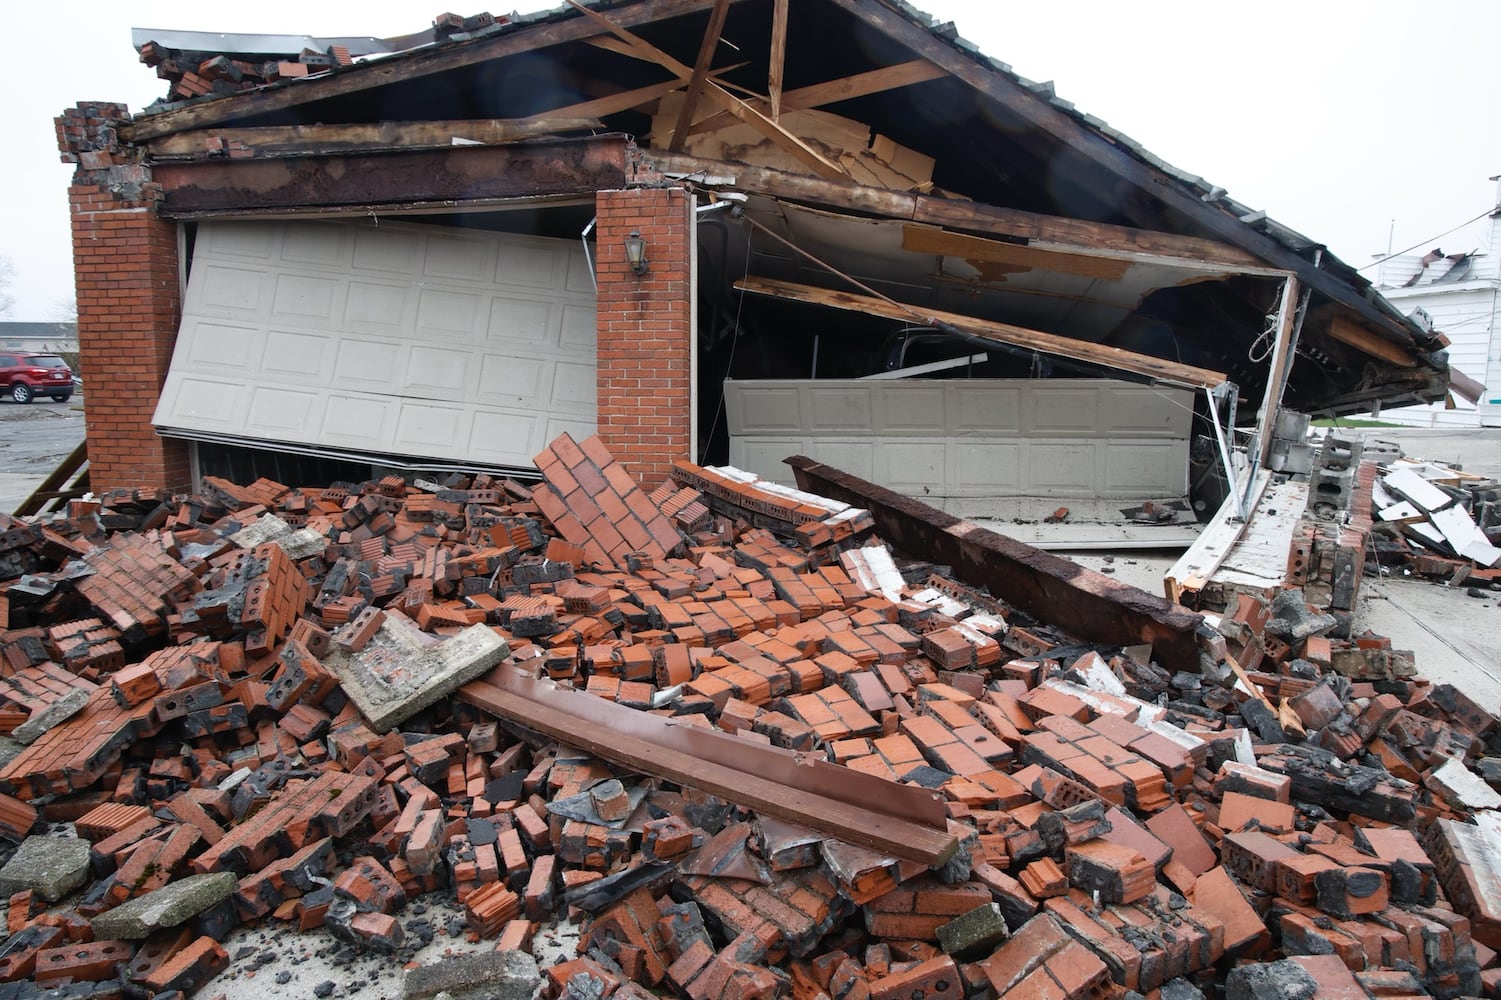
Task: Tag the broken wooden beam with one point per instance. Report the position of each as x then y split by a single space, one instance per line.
1159 369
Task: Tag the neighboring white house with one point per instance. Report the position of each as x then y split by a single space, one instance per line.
40 338
1456 285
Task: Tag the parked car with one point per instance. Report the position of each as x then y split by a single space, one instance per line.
24 377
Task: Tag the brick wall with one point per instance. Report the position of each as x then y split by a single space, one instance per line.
645 330
126 273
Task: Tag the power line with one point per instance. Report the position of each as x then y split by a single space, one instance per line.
1430 239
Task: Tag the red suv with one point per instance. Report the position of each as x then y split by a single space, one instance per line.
27 376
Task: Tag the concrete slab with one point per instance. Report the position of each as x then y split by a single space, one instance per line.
402 671
166 907
52 867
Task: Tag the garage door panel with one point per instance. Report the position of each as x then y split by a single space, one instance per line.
381 306
458 259
436 371
531 268
398 339
252 239
912 409
574 388
215 404
527 320
360 422
1137 412
418 423
986 466
511 381
558 425
303 297
837 407
440 311
220 345
1062 469
580 330
971 438
1143 465
980 408
912 467
283 412
1063 411
383 248
299 356
226 290
323 247
772 410
372 363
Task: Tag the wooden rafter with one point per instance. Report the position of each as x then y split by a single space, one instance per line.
778 57
1002 333
861 84
727 101
700 74
845 88
1347 331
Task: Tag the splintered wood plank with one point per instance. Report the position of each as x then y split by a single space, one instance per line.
740 109
1003 333
842 820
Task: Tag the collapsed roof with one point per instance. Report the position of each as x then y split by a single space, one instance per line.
946 185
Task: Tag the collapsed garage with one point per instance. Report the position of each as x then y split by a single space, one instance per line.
700 230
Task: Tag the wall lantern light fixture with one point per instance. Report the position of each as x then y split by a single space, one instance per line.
635 252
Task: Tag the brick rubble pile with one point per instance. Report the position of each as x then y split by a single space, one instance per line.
262 703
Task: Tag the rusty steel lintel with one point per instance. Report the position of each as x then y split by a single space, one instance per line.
1050 588
458 174
902 820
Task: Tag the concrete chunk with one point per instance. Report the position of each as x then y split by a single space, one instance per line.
402 671
53 715
492 975
166 907
974 934
51 867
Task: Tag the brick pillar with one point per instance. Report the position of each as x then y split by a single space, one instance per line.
126 273
646 330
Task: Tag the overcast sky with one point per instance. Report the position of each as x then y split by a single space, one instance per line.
1360 124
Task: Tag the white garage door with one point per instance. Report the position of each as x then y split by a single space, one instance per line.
951 440
384 339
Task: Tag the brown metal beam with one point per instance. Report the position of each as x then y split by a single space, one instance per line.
901 820
457 175
1087 604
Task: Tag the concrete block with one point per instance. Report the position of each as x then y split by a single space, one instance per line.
51 867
